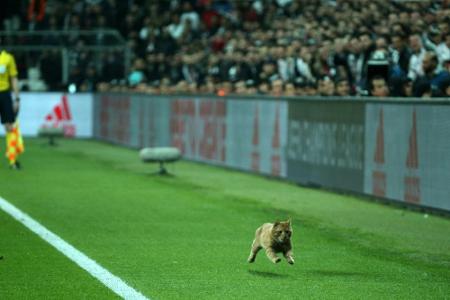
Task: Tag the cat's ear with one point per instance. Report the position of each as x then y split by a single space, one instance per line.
289 221
276 223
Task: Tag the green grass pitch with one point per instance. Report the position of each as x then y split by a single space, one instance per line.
188 236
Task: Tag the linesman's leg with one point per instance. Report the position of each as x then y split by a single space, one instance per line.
8 118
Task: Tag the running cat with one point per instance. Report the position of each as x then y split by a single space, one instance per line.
274 238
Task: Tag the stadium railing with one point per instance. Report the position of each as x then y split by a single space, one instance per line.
29 47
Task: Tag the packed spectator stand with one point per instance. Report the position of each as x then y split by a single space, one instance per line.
270 47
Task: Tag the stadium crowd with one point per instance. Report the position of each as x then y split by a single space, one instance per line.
275 47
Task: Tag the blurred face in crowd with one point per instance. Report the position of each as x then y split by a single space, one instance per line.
210 87
326 87
408 88
379 88
227 87
263 88
404 17
305 54
324 53
181 87
279 52
429 62
290 90
277 87
381 44
393 18
310 90
187 7
365 41
444 27
342 88
415 15
269 68
415 43
436 38
139 64
447 40
175 19
192 88
240 88
397 42
355 46
290 51
418 26
446 65
339 45
397 28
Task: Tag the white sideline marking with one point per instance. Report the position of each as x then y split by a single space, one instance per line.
111 281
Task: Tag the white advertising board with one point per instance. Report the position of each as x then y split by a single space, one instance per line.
407 153
73 112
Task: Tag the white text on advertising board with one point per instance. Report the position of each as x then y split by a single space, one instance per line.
329 144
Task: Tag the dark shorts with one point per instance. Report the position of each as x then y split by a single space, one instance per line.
6 108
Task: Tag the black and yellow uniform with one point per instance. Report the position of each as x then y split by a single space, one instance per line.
8 77
8 70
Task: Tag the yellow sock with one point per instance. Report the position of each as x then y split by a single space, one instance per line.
20 147
11 143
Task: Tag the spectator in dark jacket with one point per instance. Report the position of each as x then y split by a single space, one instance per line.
432 78
399 55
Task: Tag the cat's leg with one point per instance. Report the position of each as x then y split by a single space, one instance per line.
272 256
289 257
255 249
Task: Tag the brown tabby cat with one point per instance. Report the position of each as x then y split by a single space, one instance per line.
274 238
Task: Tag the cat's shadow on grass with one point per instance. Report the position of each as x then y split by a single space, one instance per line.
266 274
320 273
337 273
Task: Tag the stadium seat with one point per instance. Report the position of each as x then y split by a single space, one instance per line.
160 155
51 133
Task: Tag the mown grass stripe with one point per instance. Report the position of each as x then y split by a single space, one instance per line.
111 281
